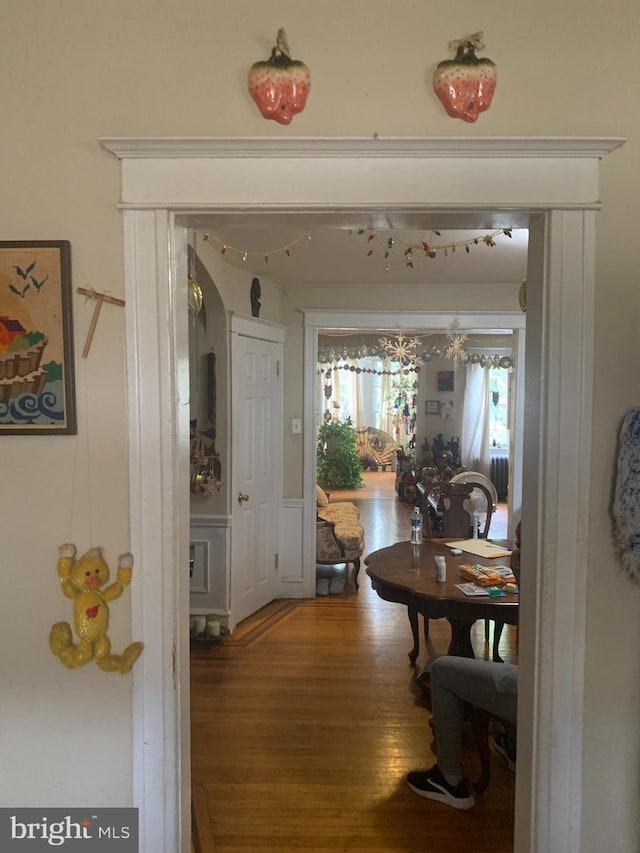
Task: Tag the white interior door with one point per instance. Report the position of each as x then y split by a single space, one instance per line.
256 434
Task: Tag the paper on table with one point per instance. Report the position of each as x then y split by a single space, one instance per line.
472 589
481 548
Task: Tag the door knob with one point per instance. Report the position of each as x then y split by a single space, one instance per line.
242 497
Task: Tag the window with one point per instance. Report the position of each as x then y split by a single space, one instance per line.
372 391
499 408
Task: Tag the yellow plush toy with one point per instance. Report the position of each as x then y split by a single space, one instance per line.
81 581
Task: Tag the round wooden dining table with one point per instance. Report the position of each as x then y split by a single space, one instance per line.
406 574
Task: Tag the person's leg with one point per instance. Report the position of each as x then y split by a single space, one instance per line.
455 681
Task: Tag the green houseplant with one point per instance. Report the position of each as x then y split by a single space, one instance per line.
338 464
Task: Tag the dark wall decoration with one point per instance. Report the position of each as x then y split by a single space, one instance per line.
445 380
255 298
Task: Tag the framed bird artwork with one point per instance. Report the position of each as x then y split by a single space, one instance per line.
37 391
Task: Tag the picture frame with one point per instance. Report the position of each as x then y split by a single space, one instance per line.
37 379
445 380
432 407
446 410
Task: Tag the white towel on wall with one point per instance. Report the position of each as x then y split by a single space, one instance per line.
626 502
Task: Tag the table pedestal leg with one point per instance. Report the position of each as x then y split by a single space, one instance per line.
460 639
413 622
497 633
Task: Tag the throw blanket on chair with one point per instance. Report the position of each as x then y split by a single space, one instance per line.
626 503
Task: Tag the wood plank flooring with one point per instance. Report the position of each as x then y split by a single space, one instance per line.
306 720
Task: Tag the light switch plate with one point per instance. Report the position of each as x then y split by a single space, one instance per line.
296 426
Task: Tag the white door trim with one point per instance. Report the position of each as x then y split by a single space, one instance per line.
155 263
254 327
556 178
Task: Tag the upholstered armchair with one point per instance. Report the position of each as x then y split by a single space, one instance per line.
339 534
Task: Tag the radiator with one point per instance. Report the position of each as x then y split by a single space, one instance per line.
499 476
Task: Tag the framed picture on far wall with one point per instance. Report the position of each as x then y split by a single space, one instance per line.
432 407
446 410
37 390
445 380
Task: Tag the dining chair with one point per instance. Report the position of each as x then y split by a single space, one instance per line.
481 718
479 501
462 504
478 498
480 722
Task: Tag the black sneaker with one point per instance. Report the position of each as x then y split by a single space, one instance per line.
432 785
505 745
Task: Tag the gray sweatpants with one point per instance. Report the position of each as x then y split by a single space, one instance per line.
456 680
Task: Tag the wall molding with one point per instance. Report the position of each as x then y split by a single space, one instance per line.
292 580
209 588
252 327
521 147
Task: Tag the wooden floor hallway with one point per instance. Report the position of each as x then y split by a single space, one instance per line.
306 719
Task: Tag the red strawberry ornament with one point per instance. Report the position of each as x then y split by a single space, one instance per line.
280 85
465 85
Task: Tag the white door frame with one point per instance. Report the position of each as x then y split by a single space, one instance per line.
164 181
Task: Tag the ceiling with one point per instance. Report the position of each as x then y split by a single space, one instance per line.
340 255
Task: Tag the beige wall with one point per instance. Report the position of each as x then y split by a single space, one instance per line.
71 72
429 425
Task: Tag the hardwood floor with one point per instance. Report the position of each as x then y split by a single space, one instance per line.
306 720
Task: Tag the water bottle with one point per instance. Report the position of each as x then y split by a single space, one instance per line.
416 526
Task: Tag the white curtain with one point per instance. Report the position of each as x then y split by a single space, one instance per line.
474 438
348 392
358 415
337 394
321 402
359 395
386 410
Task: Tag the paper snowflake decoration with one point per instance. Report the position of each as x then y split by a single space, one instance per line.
454 349
401 349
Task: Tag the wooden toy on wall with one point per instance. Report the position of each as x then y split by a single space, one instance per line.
99 298
82 580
